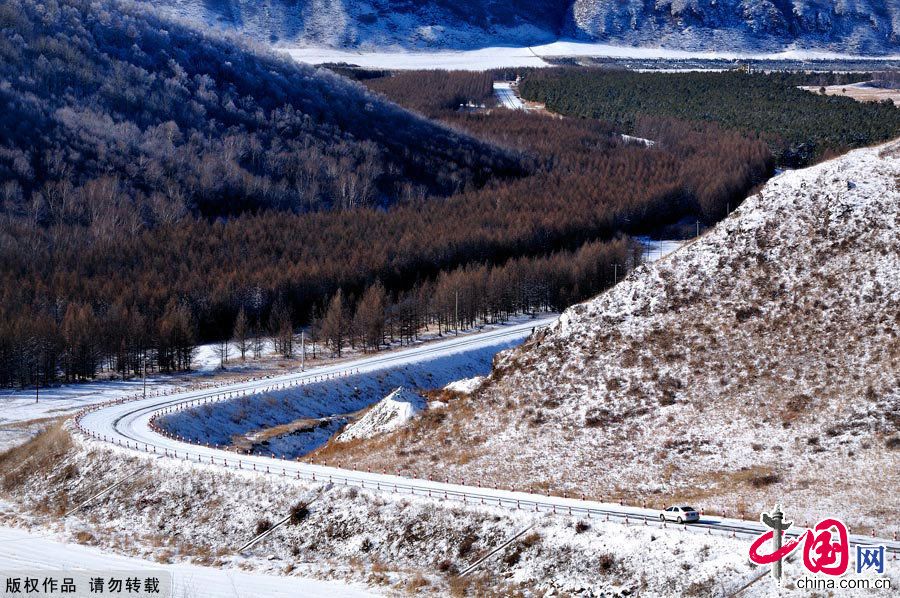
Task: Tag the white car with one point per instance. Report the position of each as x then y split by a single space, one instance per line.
680 515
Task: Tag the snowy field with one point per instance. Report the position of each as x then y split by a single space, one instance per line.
21 416
862 92
507 96
23 550
532 56
174 512
470 60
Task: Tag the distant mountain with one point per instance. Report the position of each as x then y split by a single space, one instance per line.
853 26
382 23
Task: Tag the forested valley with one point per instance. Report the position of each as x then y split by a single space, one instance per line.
162 188
800 127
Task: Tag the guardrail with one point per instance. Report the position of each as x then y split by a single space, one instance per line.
472 498
344 476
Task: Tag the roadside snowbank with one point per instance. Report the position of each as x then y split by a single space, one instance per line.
389 414
465 386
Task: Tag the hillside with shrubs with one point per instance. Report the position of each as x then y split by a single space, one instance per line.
112 113
742 370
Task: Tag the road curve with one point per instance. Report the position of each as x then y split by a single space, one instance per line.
129 424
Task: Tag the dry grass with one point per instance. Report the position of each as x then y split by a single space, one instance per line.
860 94
39 456
388 452
84 537
416 583
756 477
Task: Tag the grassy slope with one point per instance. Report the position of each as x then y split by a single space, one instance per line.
759 363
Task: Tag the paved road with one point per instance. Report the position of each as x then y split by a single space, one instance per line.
128 424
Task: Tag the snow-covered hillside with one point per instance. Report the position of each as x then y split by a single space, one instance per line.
759 363
382 24
859 27
176 513
296 420
390 413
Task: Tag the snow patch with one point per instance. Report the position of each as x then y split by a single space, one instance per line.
390 413
465 386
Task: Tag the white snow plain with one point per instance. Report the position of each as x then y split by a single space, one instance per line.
532 56
22 550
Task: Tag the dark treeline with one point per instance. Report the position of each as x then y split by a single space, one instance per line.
467 296
800 127
434 93
110 114
81 342
889 79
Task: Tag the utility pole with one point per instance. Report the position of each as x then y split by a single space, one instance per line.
698 228
457 312
302 350
144 376
616 273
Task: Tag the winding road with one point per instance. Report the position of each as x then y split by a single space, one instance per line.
129 424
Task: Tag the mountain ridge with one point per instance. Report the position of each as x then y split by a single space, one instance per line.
860 27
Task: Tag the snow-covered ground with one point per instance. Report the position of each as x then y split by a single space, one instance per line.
467 60
390 413
655 249
21 416
175 512
757 364
865 91
208 358
532 56
575 48
640 140
507 96
23 550
466 385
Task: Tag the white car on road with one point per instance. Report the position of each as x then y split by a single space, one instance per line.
680 515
